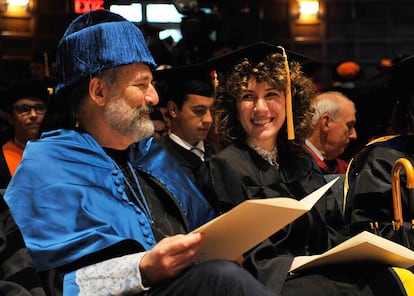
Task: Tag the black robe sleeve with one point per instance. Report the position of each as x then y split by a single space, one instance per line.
369 197
18 275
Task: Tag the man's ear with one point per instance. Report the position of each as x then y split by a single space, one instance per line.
325 120
98 91
172 108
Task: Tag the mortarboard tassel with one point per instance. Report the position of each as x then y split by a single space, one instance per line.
214 81
289 112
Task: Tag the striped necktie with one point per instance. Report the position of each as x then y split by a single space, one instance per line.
197 151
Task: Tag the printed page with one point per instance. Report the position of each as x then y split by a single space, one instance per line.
235 232
363 247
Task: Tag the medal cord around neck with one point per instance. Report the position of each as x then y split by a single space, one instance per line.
141 200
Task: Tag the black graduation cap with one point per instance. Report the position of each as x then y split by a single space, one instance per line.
181 80
183 73
255 52
402 75
20 90
397 79
384 93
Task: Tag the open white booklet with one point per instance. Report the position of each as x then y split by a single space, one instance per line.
364 247
251 222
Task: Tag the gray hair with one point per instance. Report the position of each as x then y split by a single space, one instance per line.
329 102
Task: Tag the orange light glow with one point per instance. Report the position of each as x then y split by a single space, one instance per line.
82 6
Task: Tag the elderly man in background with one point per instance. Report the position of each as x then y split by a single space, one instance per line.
333 129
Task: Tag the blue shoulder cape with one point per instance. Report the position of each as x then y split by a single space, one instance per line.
68 198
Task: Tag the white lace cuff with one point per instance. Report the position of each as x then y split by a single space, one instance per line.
115 276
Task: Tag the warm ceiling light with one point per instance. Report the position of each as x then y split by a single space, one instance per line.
308 9
18 2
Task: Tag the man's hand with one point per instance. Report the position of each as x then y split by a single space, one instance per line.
169 257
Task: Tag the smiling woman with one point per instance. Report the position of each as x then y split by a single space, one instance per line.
126 207
261 110
261 161
262 79
250 118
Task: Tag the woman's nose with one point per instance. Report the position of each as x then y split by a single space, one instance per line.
260 104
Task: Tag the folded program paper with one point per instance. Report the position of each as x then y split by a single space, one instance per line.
251 222
363 247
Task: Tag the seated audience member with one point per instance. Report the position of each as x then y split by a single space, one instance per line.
25 106
189 97
107 212
369 203
18 276
333 127
251 113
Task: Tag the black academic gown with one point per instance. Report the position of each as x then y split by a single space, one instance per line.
190 162
369 196
5 175
17 274
238 173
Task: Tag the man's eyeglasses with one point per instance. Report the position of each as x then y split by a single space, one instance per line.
26 109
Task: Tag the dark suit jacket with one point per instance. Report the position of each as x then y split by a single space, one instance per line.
17 274
190 162
5 175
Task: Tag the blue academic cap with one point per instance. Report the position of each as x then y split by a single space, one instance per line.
96 41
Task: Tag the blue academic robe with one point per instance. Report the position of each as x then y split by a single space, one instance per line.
68 197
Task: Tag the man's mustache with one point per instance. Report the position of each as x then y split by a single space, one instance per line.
150 108
147 109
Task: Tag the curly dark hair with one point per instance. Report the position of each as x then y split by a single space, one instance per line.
272 71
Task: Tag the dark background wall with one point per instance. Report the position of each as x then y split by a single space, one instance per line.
365 31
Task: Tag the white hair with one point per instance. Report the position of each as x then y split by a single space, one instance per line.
329 102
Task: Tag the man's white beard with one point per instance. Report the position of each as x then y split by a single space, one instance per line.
128 121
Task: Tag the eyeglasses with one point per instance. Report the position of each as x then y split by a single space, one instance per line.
26 109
